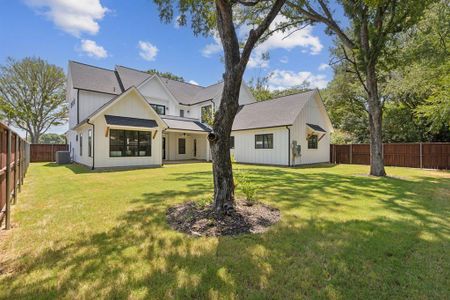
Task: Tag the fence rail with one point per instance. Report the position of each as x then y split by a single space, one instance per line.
14 161
45 152
417 155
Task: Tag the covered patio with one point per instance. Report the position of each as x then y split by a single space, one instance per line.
184 140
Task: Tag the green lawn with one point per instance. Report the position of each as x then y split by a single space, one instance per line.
343 235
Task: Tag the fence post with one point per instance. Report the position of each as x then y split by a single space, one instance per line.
15 168
351 152
19 152
8 183
421 155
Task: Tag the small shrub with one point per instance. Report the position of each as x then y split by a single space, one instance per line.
246 186
233 158
204 201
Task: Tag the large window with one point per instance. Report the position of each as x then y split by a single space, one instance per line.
206 114
313 142
90 143
129 143
264 141
231 142
181 146
81 144
160 109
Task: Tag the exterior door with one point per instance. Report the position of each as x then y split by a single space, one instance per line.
163 148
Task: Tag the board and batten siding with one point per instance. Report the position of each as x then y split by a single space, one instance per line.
131 106
245 152
91 101
155 93
172 146
311 113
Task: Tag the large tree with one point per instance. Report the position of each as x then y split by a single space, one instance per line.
32 95
369 27
221 16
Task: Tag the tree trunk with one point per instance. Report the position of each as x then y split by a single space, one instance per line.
220 144
34 138
375 123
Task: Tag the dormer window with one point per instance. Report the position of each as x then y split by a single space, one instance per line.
160 109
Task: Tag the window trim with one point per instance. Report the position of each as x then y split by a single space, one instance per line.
155 106
265 141
184 146
316 141
90 143
81 144
125 142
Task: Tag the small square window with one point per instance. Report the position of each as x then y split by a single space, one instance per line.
313 142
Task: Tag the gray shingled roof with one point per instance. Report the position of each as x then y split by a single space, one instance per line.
131 77
185 124
127 121
208 93
271 113
108 81
93 78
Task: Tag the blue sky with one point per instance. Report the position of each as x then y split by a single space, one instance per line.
106 32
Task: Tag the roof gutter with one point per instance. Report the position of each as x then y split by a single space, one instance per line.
93 142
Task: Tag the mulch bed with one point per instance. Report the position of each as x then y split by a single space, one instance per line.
197 220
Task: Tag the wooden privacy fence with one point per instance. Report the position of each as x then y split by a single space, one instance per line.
45 152
418 155
14 161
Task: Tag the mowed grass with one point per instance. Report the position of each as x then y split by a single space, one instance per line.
343 235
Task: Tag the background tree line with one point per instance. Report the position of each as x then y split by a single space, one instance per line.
416 87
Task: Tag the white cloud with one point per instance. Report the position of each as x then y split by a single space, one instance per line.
147 50
175 22
92 49
72 16
284 60
288 40
323 67
257 61
213 48
283 79
193 82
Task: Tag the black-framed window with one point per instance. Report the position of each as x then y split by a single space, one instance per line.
206 113
313 142
181 112
90 143
129 143
231 142
81 144
181 146
264 141
160 109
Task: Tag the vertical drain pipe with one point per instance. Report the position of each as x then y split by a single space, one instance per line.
289 145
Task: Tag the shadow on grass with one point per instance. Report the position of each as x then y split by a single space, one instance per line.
298 258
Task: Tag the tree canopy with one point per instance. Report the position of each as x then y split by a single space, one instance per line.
168 75
32 95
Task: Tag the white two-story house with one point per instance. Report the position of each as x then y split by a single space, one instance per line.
129 118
